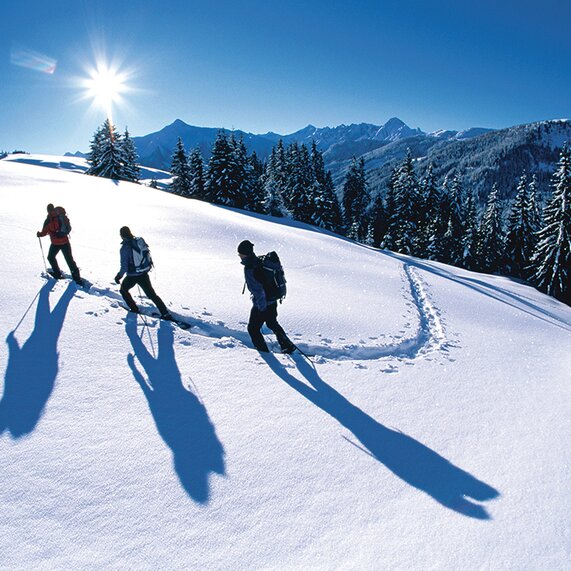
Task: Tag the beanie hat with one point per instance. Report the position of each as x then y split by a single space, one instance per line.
245 247
125 232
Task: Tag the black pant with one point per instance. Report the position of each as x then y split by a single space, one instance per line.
66 251
270 317
145 283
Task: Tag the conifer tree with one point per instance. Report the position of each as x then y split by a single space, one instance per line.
196 174
326 211
491 236
430 202
378 224
453 246
330 214
470 238
520 236
551 260
356 199
300 183
257 201
94 156
222 186
107 159
131 170
389 239
274 182
244 176
180 171
407 207
317 164
534 209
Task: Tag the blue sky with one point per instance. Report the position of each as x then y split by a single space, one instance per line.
266 65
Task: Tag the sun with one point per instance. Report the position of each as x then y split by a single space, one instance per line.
105 87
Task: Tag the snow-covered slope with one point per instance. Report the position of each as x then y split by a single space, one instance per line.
431 432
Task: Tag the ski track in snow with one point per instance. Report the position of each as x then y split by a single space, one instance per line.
428 338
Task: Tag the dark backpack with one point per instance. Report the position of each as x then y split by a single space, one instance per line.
273 276
141 255
63 223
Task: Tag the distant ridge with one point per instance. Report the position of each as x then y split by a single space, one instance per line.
341 142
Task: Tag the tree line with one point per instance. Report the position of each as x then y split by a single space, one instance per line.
414 216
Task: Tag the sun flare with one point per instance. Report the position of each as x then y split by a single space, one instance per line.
105 86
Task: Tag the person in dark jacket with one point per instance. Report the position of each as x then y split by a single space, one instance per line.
59 243
134 277
264 309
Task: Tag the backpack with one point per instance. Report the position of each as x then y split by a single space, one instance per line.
63 223
273 277
141 255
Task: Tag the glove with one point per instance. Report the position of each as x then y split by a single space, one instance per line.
38 234
118 279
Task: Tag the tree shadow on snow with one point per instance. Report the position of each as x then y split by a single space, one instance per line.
181 419
32 368
410 460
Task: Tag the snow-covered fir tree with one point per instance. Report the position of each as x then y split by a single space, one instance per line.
327 211
407 207
245 176
389 238
551 260
521 230
377 221
95 146
299 185
534 208
274 181
470 238
454 199
180 170
490 246
257 199
196 174
131 170
107 158
429 212
356 199
222 184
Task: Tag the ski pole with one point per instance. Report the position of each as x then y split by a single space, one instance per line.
306 356
43 257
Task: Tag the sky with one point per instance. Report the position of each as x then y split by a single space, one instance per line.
264 66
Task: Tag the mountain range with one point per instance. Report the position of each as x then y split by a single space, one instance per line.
337 143
480 156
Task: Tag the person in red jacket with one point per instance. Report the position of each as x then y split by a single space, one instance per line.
59 242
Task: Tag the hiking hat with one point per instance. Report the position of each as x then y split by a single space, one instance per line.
125 232
245 247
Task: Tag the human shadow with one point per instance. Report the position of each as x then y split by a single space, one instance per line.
181 418
410 460
32 369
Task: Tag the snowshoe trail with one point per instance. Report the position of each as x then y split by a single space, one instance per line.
429 336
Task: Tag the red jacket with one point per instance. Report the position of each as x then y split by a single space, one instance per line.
51 226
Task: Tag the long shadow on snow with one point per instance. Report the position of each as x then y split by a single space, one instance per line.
181 418
32 369
413 462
